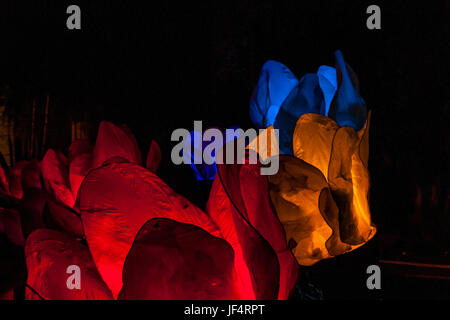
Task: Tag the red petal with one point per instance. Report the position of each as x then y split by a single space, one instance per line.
63 218
153 157
4 184
171 261
132 138
56 178
249 191
79 168
115 201
255 260
113 141
49 253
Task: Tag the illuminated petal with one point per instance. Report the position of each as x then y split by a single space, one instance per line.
63 218
78 169
274 84
194 156
48 255
249 192
349 181
306 97
328 84
347 108
301 197
313 139
55 175
265 144
153 157
113 141
136 151
115 200
4 183
255 261
171 260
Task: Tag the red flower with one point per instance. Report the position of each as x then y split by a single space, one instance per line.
144 241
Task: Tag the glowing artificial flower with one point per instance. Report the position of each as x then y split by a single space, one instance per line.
321 192
145 241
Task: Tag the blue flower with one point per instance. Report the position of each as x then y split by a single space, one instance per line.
280 99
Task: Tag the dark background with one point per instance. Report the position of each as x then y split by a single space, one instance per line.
157 66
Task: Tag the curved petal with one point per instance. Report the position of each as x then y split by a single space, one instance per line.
274 84
132 138
194 154
328 84
347 108
313 139
4 184
64 219
55 175
49 253
305 207
306 97
113 141
172 261
249 192
115 201
256 263
78 169
153 157
265 144
349 181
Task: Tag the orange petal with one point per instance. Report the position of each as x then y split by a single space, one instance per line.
265 144
313 139
349 181
301 197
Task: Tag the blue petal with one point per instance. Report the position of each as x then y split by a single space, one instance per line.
306 97
347 107
274 84
328 84
203 171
